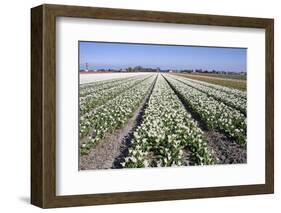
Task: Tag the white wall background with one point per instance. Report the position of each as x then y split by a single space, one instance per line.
15 104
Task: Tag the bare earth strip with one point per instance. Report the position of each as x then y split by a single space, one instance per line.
108 152
232 83
102 156
226 151
223 76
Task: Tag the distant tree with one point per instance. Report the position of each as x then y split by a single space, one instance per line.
129 69
138 69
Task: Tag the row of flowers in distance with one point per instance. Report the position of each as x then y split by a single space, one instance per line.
215 114
100 97
89 88
112 115
235 100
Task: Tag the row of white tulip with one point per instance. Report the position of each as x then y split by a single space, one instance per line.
89 88
112 115
228 90
235 100
215 114
166 131
99 97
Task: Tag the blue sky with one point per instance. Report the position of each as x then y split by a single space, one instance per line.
122 55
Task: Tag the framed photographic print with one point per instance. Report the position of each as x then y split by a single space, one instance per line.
135 106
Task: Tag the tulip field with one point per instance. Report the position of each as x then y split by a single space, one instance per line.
160 120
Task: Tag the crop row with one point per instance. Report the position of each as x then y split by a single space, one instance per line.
86 89
236 92
214 113
97 98
234 100
112 115
166 130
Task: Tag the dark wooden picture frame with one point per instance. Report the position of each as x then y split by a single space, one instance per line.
43 105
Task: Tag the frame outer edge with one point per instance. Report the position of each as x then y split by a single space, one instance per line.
49 107
270 106
37 189
156 16
43 106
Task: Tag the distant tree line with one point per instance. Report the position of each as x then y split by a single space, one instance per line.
145 69
142 69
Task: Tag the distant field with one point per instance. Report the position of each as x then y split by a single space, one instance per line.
224 76
91 77
232 81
